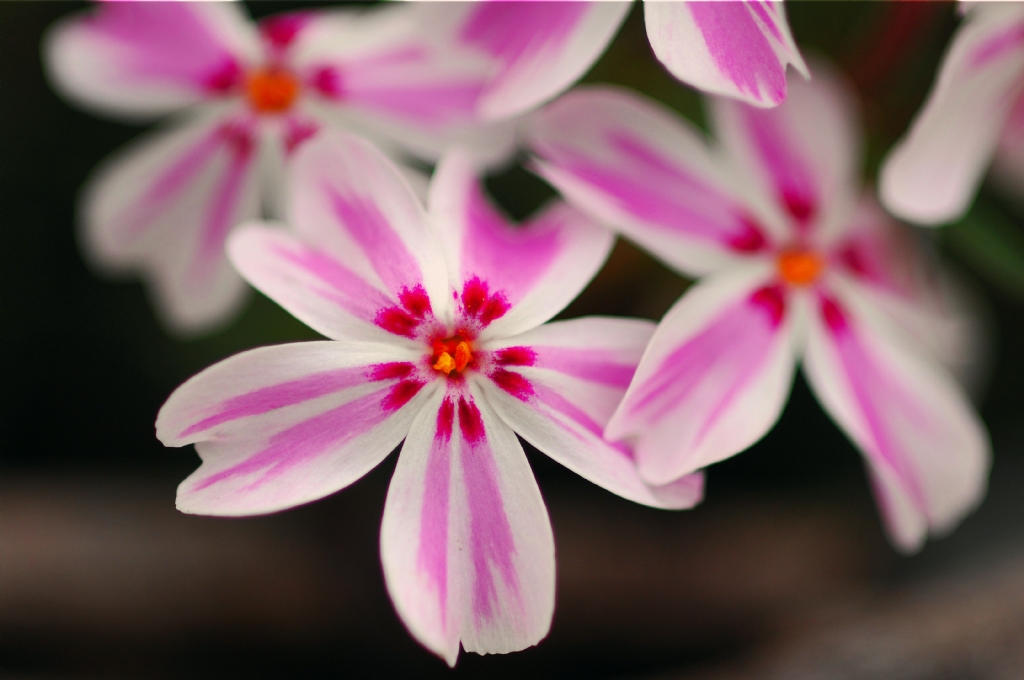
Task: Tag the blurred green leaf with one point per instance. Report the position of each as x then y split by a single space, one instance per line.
993 244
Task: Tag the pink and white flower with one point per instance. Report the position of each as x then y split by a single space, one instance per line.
795 268
242 97
438 338
973 115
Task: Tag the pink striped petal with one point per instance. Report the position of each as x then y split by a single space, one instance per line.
714 378
737 49
933 173
321 290
804 156
635 165
536 268
142 59
386 68
540 48
927 451
164 207
281 426
351 200
880 263
558 385
466 542
362 260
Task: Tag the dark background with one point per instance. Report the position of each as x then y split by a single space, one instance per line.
782 572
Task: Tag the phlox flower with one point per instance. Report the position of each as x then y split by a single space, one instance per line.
793 267
243 96
436 320
974 115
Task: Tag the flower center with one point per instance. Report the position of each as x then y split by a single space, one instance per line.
452 354
271 90
800 267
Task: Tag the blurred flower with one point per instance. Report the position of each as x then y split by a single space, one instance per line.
247 95
436 320
975 111
737 49
796 268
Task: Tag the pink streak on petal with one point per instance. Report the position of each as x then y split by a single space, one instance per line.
432 557
279 32
599 366
328 81
347 289
278 396
559 404
427 104
166 41
764 11
656 190
296 132
491 543
726 355
512 31
401 393
388 256
880 398
740 49
519 257
794 182
143 212
479 304
514 383
381 83
515 356
306 441
1003 43
221 215
406 317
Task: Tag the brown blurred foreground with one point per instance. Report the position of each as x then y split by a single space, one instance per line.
103 577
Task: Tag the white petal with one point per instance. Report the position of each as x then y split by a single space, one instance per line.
536 269
932 174
466 542
927 451
558 385
634 165
145 59
737 49
164 207
714 378
281 426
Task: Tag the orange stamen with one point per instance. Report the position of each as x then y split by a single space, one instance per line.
462 356
445 363
800 267
452 354
271 90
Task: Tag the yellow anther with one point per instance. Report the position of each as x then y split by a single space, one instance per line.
272 90
462 356
800 267
446 363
